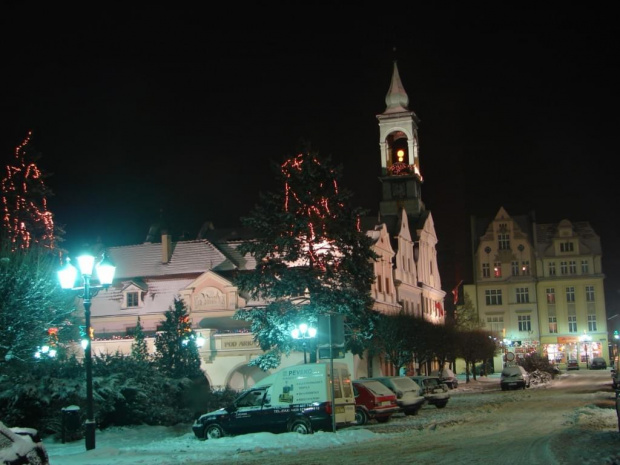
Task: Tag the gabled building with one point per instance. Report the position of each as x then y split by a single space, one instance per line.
539 287
202 271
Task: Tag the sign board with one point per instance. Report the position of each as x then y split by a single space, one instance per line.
510 356
338 352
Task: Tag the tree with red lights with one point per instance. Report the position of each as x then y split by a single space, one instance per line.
312 259
25 218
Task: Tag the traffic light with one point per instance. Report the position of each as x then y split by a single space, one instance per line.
616 336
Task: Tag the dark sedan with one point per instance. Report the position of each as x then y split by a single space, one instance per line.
598 363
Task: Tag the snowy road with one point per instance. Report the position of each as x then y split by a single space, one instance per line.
542 425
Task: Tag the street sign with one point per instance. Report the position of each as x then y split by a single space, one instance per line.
510 356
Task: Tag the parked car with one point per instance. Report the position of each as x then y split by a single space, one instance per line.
615 383
21 445
572 364
598 363
373 401
407 393
514 377
434 391
447 376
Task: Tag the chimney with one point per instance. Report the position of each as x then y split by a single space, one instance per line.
166 247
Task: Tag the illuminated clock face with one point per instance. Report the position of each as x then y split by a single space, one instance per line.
398 190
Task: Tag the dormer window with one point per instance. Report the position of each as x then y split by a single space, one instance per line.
566 247
132 299
133 295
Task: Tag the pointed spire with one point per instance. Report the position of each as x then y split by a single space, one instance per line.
396 99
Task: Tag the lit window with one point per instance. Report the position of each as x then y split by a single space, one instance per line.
525 267
553 325
497 270
550 295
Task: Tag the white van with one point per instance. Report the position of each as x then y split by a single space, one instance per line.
295 399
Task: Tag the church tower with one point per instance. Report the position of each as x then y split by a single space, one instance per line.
400 163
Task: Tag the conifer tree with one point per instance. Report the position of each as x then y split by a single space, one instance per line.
25 219
309 243
176 351
139 349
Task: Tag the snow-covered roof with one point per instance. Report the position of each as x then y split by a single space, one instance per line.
145 260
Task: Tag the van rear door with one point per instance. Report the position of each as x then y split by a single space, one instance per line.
344 399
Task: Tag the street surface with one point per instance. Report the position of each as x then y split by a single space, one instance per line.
543 425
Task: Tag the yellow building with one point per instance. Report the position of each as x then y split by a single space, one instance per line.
539 287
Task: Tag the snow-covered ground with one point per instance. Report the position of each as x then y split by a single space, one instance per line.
594 432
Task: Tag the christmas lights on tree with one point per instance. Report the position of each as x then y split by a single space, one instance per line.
26 219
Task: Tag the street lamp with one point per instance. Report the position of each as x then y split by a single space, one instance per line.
585 338
67 277
304 332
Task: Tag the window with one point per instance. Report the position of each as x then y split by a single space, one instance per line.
387 285
515 268
132 299
572 324
566 247
591 322
486 270
553 325
584 267
503 241
550 295
495 323
570 294
523 295
572 267
563 268
525 267
551 268
590 293
525 323
497 269
493 296
380 283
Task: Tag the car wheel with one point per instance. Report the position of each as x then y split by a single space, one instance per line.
383 419
412 411
300 426
361 418
214 431
441 404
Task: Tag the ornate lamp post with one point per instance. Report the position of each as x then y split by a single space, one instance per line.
585 339
304 332
67 277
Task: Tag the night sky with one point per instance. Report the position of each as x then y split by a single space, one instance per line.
148 112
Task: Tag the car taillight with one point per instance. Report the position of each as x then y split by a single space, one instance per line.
328 408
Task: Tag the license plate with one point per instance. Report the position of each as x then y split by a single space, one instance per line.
339 409
385 403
